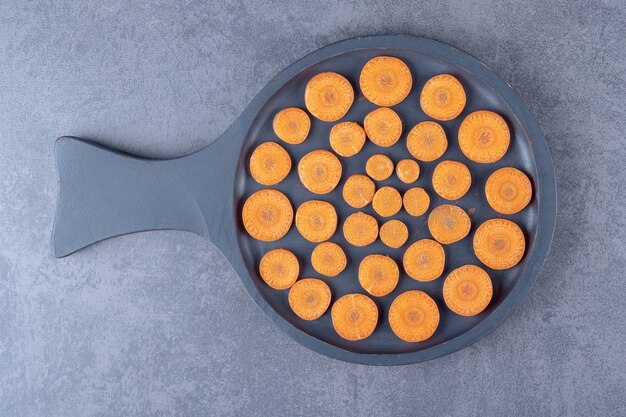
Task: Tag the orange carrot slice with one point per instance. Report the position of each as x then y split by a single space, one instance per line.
355 316
383 126
448 223
267 215
378 274
416 201
358 191
319 171
424 260
414 316
316 220
309 298
451 179
328 96
385 80
387 201
443 97
379 167
394 233
328 259
499 244
467 290
484 136
508 190
292 125
407 171
360 229
279 268
269 163
427 141
347 138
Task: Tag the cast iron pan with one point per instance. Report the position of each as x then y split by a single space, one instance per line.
105 193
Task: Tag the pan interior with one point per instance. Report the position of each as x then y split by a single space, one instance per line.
479 96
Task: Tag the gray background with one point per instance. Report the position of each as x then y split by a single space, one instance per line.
157 324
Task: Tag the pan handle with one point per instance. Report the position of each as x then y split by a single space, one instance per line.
105 193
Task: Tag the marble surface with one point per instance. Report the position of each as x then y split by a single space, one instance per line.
156 323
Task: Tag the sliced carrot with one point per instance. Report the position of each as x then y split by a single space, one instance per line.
292 125
467 290
427 141
309 298
414 316
385 80
355 316
316 220
443 97
424 260
387 201
358 191
378 274
279 268
508 190
407 171
451 179
499 244
448 223
360 229
328 96
484 136
267 215
320 171
416 201
394 233
379 167
347 138
383 126
328 259
269 163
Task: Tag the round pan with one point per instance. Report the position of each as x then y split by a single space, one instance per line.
105 193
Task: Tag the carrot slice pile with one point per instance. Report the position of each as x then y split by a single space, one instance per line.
443 97
387 201
385 80
379 167
328 259
292 125
508 190
467 290
279 268
319 171
408 171
414 316
360 229
394 233
358 191
328 96
451 179
484 136
269 163
499 244
427 141
448 223
416 201
267 215
424 260
309 298
378 274
355 316
347 138
383 126
316 220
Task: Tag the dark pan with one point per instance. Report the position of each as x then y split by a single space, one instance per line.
105 193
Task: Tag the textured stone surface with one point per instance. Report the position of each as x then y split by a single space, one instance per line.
157 323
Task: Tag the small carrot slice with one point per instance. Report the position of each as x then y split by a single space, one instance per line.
508 190
328 96
292 125
448 223
360 229
309 298
355 316
416 201
358 191
328 259
383 126
385 80
414 316
316 220
499 243
378 274
379 167
427 141
484 136
443 97
319 171
387 201
269 163
467 290
451 179
279 268
408 171
424 260
347 138
267 215
394 233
